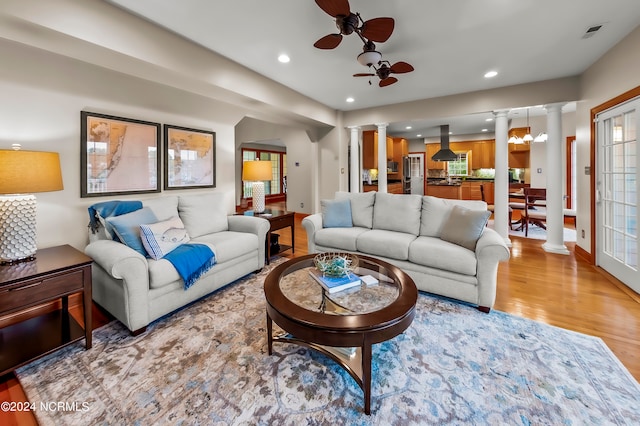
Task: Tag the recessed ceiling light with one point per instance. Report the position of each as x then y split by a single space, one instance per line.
489 119
350 99
491 74
485 130
418 136
284 58
450 133
408 127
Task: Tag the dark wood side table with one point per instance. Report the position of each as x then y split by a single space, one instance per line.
55 273
278 219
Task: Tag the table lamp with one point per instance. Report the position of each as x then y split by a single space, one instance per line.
21 174
257 171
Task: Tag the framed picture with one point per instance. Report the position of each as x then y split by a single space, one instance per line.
118 155
189 158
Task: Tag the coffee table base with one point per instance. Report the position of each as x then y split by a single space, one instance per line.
358 365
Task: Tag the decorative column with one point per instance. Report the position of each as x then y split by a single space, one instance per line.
501 181
382 156
355 177
555 172
315 179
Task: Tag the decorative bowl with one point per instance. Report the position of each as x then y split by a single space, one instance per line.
334 264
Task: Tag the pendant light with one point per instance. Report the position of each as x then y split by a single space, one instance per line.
528 138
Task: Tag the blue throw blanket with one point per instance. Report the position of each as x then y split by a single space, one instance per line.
108 209
191 261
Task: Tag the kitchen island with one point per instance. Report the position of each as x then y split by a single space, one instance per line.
393 187
468 189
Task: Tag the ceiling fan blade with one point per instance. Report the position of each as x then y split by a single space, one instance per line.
335 7
377 29
330 41
363 74
387 81
401 67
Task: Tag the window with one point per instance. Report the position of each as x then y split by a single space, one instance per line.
273 188
459 167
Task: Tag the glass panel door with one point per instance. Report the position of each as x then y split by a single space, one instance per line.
617 211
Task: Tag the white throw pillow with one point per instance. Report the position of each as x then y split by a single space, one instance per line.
163 237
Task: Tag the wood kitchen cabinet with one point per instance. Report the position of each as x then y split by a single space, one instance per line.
518 156
370 149
484 154
452 192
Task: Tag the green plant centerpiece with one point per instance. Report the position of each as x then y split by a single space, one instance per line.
336 264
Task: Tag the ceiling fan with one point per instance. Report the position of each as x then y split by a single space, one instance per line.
384 71
377 29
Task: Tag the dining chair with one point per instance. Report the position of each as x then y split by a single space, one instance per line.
516 205
490 207
535 211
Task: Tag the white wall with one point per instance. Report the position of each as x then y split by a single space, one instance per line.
612 75
41 107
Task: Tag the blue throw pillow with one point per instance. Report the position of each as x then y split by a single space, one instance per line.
336 213
127 227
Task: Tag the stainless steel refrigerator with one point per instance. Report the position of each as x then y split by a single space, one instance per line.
406 175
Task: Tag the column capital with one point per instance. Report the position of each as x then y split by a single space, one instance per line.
501 113
354 127
382 125
557 106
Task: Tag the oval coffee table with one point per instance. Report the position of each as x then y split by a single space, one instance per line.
341 325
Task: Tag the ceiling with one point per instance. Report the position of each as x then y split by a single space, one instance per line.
450 44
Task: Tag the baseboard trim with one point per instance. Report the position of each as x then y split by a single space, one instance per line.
584 255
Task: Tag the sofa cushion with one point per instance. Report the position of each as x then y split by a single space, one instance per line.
397 212
435 212
336 213
339 238
464 226
203 214
391 244
439 254
163 207
228 245
163 237
127 227
361 207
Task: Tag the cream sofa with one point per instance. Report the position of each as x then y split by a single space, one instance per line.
138 290
405 230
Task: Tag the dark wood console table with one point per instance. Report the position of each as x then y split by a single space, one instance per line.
278 219
55 273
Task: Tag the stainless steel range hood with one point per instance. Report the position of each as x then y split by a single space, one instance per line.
445 154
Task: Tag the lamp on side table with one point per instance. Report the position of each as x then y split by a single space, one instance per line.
21 174
257 171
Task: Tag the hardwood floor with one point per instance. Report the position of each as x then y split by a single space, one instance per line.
563 291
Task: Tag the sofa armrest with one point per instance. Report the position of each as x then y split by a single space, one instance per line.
491 249
119 261
491 245
253 225
312 224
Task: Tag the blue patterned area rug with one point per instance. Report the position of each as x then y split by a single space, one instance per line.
207 364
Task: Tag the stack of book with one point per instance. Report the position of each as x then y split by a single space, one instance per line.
335 284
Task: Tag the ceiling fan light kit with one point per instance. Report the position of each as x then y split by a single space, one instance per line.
368 58
372 30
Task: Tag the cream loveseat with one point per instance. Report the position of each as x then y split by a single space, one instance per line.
137 289
415 233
